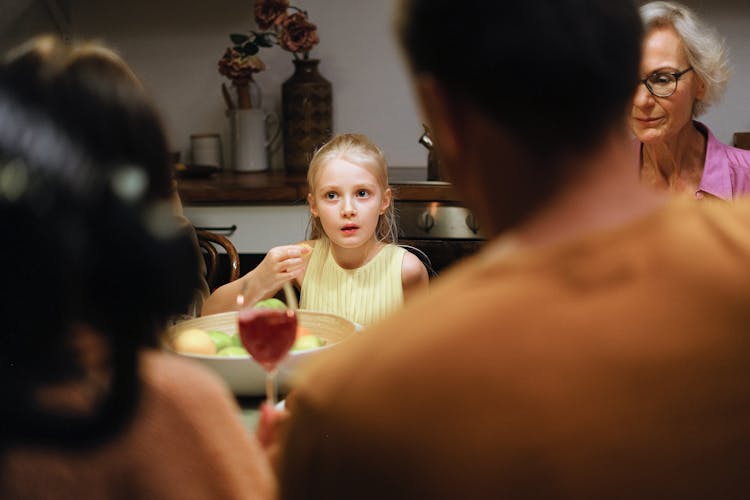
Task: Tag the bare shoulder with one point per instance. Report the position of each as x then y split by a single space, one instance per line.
158 370
193 416
413 274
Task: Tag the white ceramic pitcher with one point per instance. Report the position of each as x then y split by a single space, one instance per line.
252 131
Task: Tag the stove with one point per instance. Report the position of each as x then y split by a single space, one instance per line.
445 231
436 221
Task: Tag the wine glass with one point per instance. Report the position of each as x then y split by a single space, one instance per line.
268 335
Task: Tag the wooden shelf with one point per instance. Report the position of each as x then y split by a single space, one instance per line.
742 140
233 188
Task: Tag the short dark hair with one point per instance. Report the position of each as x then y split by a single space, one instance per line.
554 73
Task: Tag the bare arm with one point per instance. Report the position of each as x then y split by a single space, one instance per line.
413 275
282 263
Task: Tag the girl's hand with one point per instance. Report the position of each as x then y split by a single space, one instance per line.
281 264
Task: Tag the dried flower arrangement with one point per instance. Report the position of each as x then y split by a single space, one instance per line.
281 24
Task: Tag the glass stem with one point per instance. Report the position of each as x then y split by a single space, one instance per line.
271 387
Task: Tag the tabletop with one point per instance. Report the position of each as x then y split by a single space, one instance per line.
250 406
250 409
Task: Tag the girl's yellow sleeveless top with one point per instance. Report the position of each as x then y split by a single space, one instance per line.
363 295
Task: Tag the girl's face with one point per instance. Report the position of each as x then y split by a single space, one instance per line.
656 119
349 201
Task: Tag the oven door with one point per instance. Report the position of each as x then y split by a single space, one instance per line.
443 254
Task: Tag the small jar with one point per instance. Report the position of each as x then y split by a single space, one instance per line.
206 149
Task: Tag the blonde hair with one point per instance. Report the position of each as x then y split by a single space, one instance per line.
705 49
356 148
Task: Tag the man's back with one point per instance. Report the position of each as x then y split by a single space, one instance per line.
612 366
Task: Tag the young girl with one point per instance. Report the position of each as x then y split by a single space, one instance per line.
349 266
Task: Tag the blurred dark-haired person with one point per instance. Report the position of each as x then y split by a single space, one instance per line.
101 100
685 69
597 347
96 262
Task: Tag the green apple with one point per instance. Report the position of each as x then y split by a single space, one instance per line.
306 342
232 350
220 338
272 303
235 340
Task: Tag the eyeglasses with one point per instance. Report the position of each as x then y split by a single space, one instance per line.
663 84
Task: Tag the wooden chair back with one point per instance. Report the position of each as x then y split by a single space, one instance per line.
210 244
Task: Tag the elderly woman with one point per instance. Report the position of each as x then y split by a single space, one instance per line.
685 70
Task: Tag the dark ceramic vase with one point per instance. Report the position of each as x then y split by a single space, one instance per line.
307 114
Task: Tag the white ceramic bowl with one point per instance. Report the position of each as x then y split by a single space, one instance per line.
244 375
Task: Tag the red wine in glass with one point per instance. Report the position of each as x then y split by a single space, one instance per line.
268 335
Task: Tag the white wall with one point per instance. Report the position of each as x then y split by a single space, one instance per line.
732 19
174 46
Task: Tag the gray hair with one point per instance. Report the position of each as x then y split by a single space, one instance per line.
705 48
